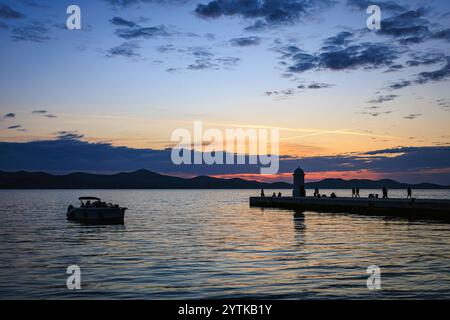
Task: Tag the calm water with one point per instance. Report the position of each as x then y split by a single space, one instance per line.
210 244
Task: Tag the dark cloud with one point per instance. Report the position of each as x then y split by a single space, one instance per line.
204 59
267 13
442 34
412 116
376 113
166 48
437 75
69 135
121 22
340 52
395 67
319 86
144 32
341 39
69 154
9 116
409 27
400 84
35 32
384 5
126 3
39 111
383 98
14 127
245 41
126 49
283 94
6 12
425 59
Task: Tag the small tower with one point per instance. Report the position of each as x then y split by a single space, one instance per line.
299 183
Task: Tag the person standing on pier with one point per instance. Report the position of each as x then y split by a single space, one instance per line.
385 193
353 192
262 193
409 193
357 193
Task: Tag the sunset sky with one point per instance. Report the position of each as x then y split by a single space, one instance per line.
349 102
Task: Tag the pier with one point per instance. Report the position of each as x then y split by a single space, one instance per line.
409 208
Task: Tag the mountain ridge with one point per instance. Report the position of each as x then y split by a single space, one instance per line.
145 179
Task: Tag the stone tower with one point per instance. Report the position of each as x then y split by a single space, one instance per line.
299 183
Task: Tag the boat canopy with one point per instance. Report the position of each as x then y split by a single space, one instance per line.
89 198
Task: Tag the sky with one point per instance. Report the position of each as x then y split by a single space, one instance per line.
349 102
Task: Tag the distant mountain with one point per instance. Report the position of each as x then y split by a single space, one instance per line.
369 184
141 179
144 179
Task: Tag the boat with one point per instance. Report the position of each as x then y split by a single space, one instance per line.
93 210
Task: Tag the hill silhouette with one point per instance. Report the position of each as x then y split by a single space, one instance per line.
144 179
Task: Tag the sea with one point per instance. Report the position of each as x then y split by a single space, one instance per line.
209 244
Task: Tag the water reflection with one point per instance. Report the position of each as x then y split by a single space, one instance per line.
210 244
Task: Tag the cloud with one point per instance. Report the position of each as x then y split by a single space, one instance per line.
126 49
409 27
400 84
286 93
9 116
69 154
245 41
6 12
375 113
127 3
338 53
412 116
425 59
206 60
442 34
14 127
267 13
437 75
144 32
318 85
39 111
35 32
121 22
69 135
384 5
383 98
50 116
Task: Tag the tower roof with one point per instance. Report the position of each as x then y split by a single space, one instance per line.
299 171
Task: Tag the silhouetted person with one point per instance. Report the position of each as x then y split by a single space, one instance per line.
385 193
274 195
262 193
333 195
353 192
279 194
316 193
409 193
357 192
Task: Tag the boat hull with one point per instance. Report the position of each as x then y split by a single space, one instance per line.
97 215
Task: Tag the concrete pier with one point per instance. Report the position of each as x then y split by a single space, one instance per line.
409 208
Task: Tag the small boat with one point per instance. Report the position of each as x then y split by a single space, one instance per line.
93 210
